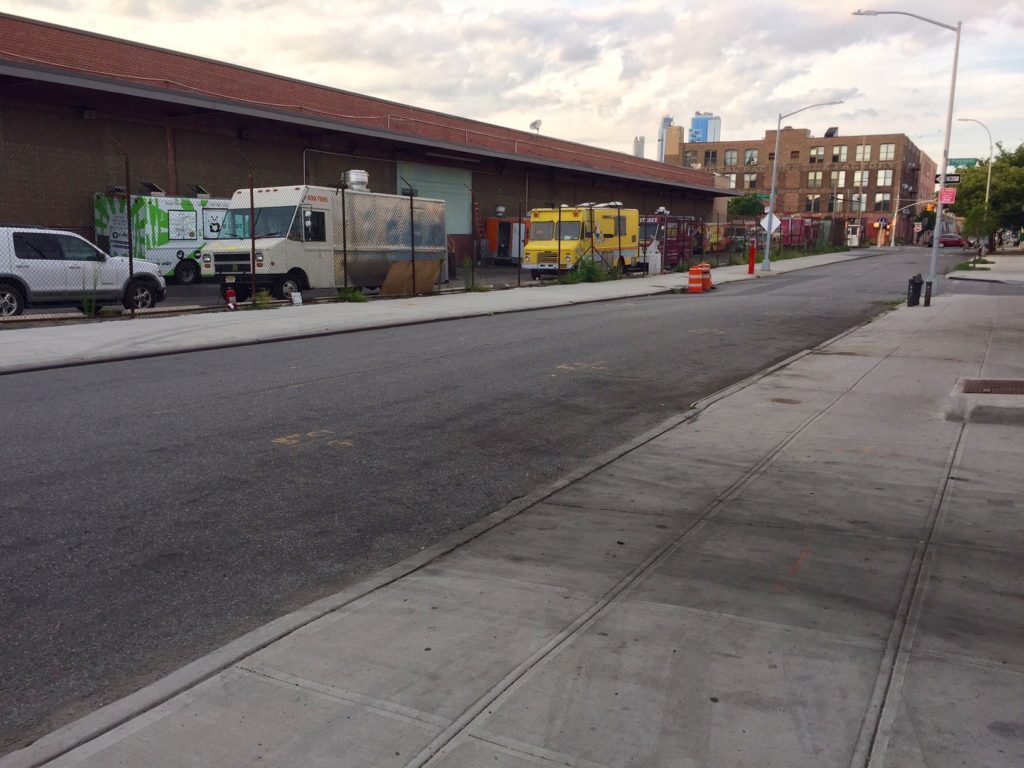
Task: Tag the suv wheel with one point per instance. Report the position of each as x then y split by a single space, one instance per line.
11 301
140 294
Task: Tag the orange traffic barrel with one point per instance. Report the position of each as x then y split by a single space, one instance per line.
706 276
696 282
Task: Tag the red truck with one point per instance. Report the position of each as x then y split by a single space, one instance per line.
674 236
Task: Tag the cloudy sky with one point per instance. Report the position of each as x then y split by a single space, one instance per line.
600 72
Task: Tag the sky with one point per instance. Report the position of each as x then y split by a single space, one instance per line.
601 73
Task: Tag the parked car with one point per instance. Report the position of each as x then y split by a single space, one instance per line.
952 240
51 267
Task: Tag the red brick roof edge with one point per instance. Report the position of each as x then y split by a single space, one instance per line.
51 47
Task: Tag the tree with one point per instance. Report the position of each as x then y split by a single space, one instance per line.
1006 197
748 205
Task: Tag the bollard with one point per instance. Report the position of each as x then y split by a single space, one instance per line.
928 293
229 297
752 256
914 290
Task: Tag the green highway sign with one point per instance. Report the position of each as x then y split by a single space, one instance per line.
963 162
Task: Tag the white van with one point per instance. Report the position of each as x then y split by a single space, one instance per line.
52 267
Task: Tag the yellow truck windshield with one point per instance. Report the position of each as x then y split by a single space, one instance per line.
545 230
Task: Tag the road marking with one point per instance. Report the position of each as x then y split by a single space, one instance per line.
317 434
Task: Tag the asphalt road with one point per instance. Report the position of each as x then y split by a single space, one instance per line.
153 510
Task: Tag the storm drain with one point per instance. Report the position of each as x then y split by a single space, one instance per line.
993 387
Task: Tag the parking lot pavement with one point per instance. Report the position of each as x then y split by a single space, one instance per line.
835 581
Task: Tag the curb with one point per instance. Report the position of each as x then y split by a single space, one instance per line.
120 358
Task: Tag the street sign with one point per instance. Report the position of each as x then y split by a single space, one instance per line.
948 196
963 162
951 178
774 223
883 222
761 195
918 226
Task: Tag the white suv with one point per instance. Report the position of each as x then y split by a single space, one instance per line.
49 266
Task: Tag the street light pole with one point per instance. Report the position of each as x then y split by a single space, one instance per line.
936 236
988 181
766 265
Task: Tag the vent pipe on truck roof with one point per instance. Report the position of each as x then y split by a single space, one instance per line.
357 180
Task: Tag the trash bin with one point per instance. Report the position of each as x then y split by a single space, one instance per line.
914 290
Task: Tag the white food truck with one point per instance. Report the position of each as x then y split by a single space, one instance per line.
312 237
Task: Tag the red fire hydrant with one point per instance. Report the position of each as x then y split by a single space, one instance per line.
229 297
752 256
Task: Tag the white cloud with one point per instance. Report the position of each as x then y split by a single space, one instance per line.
601 72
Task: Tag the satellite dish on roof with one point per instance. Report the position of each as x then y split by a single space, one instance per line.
535 126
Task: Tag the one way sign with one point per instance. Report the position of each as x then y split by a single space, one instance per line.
951 178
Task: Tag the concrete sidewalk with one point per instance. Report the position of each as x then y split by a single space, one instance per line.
813 568
1005 267
24 349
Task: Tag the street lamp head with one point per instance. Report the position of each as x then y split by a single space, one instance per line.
865 13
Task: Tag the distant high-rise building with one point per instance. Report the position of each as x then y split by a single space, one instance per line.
704 127
638 146
666 123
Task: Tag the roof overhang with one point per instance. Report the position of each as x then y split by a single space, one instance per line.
108 85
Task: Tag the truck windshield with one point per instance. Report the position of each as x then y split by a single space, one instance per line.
648 230
270 222
545 230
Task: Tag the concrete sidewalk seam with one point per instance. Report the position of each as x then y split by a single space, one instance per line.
881 712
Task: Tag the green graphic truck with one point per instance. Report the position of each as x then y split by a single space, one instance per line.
169 231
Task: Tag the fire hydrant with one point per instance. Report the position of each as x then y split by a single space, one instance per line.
230 297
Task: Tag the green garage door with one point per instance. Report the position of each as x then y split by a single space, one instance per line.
453 185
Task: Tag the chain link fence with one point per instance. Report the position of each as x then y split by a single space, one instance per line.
123 247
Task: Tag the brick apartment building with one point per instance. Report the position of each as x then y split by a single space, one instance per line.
843 178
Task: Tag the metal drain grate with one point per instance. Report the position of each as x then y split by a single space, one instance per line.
994 387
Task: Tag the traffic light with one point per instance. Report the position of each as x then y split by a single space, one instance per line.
931 207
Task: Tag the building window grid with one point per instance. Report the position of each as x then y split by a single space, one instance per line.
749 180
817 155
814 179
863 153
835 202
838 179
730 156
886 151
883 200
710 157
839 153
732 180
883 178
812 203
750 157
860 178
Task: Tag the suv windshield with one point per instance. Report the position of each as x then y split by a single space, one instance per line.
270 222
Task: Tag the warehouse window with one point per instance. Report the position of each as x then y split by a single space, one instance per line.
730 156
839 153
814 178
817 155
812 203
882 200
886 151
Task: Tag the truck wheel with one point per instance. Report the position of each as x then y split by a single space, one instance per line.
289 284
11 301
140 294
187 272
